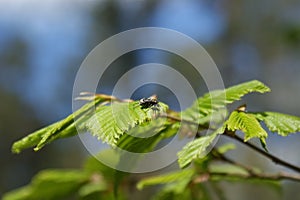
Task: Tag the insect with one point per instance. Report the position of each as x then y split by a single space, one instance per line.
150 102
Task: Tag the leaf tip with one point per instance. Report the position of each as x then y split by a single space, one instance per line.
140 186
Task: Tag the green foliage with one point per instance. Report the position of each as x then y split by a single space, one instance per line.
283 124
50 185
110 122
225 148
175 184
214 102
60 129
196 148
130 127
239 120
172 177
145 137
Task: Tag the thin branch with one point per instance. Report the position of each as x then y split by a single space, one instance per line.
232 135
224 158
226 133
253 174
274 177
264 153
177 119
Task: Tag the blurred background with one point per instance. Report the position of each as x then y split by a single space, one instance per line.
42 44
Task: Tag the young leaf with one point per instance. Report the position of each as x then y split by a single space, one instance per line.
281 123
216 100
176 185
248 124
196 148
110 122
172 177
144 138
60 129
225 148
50 185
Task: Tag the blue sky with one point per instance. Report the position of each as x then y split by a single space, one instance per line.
57 31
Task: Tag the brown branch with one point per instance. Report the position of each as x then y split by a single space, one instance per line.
224 158
275 159
253 174
226 133
274 177
177 119
232 135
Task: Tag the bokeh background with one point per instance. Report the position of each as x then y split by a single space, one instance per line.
42 44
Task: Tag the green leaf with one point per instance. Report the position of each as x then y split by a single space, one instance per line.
196 148
144 138
173 177
50 185
91 188
176 185
109 123
227 169
113 119
281 123
214 102
248 124
225 147
60 129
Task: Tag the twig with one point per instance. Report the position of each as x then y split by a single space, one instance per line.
183 120
233 136
253 174
275 177
224 158
226 133
264 153
88 96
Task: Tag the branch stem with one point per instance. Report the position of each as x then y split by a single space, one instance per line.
275 159
275 177
232 135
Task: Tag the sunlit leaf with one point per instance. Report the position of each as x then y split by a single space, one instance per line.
196 148
225 147
280 123
109 123
214 102
60 129
248 124
172 177
50 185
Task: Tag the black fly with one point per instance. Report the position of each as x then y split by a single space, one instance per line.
150 102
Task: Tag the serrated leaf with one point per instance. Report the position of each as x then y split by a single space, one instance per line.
196 148
109 123
50 185
281 123
247 123
60 129
178 176
143 138
215 101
